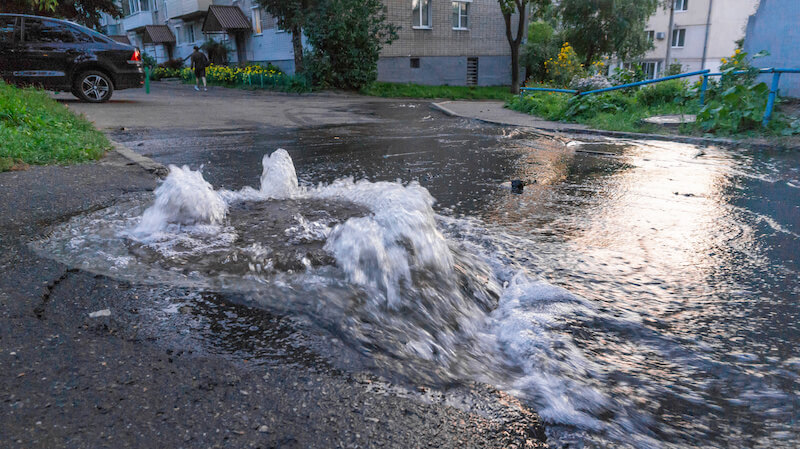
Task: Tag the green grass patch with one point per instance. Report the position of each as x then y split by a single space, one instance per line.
614 111
400 90
734 112
37 130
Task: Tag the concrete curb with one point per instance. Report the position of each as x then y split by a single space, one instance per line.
628 135
145 162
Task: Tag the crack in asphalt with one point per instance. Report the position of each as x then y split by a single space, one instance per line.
48 291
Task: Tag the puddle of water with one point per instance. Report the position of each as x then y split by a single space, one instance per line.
639 294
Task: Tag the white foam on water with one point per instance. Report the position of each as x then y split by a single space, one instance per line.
184 198
380 250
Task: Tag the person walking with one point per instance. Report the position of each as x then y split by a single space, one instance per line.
199 64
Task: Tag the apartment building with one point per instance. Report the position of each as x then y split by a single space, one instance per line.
704 32
455 42
460 42
168 29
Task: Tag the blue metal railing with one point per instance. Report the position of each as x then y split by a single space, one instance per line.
705 74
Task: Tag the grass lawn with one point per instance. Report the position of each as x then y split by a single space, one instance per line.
399 90
37 130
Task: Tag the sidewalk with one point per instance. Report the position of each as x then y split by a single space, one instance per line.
494 112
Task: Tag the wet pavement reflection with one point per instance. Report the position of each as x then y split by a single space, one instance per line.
688 255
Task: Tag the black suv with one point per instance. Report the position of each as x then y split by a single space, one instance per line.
59 55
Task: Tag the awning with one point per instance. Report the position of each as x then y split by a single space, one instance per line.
225 19
158 34
122 39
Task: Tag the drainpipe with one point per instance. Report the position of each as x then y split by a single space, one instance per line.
669 34
708 30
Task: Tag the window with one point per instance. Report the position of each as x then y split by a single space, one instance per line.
650 36
460 15
46 31
179 35
130 7
255 18
678 37
7 29
681 5
189 33
651 69
414 63
421 13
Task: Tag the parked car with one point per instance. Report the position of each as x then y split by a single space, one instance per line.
63 56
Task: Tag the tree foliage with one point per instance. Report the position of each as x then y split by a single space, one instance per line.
606 27
510 8
346 37
542 44
292 16
86 12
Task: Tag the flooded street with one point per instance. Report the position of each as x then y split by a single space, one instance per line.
639 294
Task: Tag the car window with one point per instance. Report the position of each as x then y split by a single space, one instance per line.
7 29
80 36
47 31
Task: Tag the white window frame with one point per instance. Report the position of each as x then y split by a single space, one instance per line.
255 17
656 69
462 13
422 25
681 5
651 35
194 36
676 43
179 36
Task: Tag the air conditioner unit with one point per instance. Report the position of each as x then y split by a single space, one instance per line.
661 35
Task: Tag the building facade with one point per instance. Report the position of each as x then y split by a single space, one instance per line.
703 32
459 42
148 24
775 27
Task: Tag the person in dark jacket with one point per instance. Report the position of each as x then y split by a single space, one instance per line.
199 64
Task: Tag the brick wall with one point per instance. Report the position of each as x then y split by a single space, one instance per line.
486 34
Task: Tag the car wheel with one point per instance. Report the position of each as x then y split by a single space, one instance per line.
93 86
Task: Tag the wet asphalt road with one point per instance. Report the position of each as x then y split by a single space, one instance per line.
179 368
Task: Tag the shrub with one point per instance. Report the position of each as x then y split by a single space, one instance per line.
163 72
148 61
623 75
587 106
176 63
565 66
252 76
346 37
542 45
589 83
217 51
739 108
672 91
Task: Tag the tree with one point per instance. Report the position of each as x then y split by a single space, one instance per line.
292 16
607 27
86 12
542 44
508 9
346 38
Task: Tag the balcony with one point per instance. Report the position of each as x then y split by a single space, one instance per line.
187 9
138 20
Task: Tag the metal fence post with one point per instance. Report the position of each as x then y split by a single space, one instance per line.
147 80
773 92
262 80
703 89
